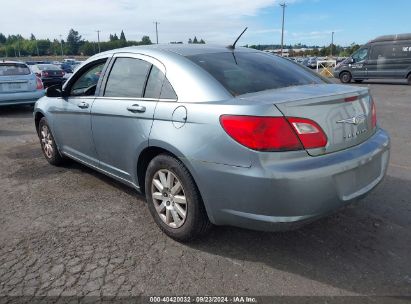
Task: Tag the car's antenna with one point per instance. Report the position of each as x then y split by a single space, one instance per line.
238 38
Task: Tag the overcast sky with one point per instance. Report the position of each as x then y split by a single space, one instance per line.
216 21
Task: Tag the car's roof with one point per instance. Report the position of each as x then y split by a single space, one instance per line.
11 61
181 49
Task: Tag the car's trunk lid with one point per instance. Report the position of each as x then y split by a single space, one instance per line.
343 112
17 83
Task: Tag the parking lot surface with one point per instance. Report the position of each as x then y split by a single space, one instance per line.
72 231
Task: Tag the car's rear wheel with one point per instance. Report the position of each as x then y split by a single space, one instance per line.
409 79
48 144
174 200
345 77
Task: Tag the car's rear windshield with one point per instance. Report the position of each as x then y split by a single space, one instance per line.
13 69
48 67
249 72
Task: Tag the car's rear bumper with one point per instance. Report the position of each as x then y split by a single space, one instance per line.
20 98
282 194
47 82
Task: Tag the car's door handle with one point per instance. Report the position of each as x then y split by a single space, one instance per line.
83 105
135 108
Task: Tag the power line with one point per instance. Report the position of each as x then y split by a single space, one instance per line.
283 5
156 23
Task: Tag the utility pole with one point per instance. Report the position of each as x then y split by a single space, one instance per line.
332 43
283 5
156 23
61 47
98 39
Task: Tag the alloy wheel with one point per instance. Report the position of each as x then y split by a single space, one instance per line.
169 198
47 141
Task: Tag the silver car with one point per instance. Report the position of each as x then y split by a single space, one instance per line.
215 135
18 84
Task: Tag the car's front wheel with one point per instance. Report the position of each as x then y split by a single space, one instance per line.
174 200
48 144
345 77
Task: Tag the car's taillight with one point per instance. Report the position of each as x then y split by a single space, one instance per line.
44 74
373 113
261 133
39 84
309 132
274 133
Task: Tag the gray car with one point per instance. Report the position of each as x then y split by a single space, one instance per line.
18 85
215 135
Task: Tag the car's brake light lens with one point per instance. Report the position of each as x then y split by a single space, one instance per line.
39 84
309 132
274 133
261 133
373 113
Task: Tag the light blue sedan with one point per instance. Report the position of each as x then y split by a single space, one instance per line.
18 84
217 135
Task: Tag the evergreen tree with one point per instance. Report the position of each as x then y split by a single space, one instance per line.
190 41
122 36
32 37
145 40
195 40
3 38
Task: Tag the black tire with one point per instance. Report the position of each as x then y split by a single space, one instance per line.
409 79
53 156
345 77
358 80
196 222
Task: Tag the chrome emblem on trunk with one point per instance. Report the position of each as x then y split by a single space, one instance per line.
356 120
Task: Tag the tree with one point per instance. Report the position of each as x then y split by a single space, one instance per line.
195 40
3 38
145 40
122 36
190 41
32 37
74 42
202 41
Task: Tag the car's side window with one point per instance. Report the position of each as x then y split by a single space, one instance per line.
154 83
167 91
127 78
360 55
86 84
158 86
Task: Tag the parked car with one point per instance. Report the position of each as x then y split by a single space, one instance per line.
312 62
384 57
215 135
67 68
18 85
50 74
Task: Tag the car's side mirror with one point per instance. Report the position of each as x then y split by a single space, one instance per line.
351 60
55 91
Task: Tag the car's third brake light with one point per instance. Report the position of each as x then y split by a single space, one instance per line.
261 133
309 132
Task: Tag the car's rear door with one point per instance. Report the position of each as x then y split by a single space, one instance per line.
122 115
72 121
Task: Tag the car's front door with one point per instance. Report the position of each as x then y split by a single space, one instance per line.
72 123
359 65
122 115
